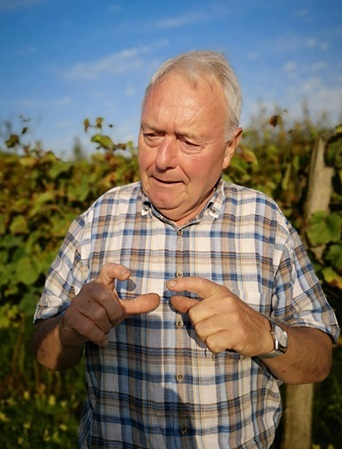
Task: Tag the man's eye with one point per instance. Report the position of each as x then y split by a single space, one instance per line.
190 145
152 137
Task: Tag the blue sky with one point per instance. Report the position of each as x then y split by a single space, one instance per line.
62 61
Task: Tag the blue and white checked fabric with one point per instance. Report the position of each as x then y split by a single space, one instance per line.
156 385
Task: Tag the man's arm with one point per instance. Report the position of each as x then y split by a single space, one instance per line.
224 322
58 342
52 349
307 359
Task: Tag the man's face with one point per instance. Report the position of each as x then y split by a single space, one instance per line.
182 146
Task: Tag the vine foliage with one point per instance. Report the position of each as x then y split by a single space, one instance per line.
40 194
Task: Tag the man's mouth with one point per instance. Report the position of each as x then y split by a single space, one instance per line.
166 181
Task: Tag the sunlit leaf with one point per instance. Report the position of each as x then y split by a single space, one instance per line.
58 168
332 278
19 225
98 122
286 177
86 124
274 120
338 129
28 161
103 141
334 255
27 271
12 141
324 228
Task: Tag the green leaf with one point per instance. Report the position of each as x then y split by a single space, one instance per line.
12 141
99 121
78 191
86 124
28 161
27 271
3 221
332 278
58 168
19 225
324 228
334 255
39 202
338 129
103 141
8 313
286 177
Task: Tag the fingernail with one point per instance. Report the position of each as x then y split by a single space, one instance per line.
171 283
105 342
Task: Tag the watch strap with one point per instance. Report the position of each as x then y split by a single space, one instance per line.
279 349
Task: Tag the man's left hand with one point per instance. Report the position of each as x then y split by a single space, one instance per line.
221 319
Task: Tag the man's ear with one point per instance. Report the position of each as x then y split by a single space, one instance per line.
231 146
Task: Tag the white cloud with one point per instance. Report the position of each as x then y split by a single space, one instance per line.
177 22
315 43
36 102
290 66
324 46
129 91
311 42
112 64
253 55
318 66
14 5
302 13
117 63
319 97
61 101
27 51
114 8
194 16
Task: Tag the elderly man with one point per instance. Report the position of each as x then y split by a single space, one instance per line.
194 298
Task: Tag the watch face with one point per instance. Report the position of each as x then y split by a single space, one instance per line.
281 336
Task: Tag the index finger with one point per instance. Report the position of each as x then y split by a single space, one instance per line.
111 271
203 287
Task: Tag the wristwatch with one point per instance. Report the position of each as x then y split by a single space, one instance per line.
280 341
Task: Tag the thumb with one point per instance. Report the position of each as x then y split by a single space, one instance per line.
141 304
183 304
111 271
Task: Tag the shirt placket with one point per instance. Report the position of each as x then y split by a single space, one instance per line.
182 369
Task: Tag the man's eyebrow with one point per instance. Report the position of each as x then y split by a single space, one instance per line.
186 135
180 134
149 126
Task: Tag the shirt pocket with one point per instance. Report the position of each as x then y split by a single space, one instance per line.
260 302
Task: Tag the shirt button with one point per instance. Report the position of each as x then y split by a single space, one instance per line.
179 274
180 232
180 377
183 429
179 323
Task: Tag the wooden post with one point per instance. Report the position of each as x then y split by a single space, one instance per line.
299 398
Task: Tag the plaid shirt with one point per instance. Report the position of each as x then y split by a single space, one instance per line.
156 385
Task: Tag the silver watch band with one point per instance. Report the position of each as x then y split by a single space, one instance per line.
280 339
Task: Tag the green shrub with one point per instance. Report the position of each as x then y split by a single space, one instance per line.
41 194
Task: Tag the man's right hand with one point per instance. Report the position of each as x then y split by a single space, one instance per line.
97 308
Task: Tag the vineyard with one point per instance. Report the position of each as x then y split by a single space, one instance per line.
40 194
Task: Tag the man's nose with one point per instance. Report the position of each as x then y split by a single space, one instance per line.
167 154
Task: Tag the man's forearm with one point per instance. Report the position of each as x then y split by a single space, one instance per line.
307 359
53 348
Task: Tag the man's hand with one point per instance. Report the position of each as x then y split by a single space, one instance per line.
221 320
97 308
